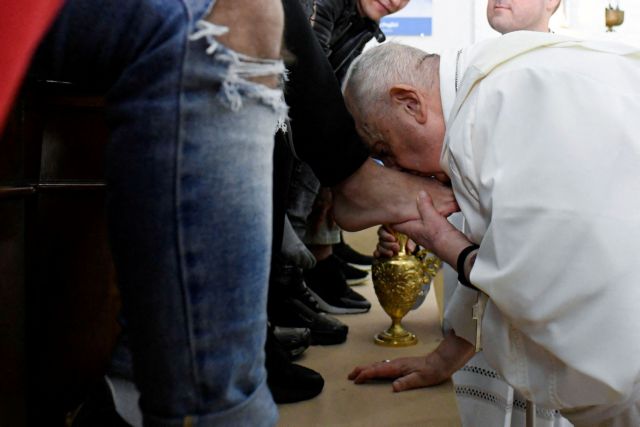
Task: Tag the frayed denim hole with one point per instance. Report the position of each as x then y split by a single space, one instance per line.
241 68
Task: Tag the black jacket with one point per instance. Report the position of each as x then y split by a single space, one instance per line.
323 131
341 31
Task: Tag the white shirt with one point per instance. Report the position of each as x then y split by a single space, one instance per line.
543 149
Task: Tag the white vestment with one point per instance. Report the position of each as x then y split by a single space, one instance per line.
543 150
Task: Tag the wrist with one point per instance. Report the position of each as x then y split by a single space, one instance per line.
452 353
449 245
464 263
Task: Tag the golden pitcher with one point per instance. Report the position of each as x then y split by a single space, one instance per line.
613 17
398 282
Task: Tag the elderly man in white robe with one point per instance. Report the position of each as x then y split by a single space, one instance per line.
539 137
484 398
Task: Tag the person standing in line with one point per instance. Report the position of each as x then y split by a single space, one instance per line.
342 28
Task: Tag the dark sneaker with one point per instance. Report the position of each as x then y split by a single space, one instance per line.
286 281
293 340
291 304
349 255
325 329
287 381
327 284
354 276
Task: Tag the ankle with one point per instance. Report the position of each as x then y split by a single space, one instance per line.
321 252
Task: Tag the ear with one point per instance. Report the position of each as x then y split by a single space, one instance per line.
410 100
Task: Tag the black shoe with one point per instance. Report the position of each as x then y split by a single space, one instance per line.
347 254
99 409
354 276
293 340
287 381
299 290
327 284
325 330
291 304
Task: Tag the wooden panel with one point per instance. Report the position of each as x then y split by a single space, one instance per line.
56 266
12 276
12 314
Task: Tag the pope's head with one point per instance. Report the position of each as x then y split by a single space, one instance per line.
393 93
506 16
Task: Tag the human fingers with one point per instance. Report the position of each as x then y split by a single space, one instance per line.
410 382
384 369
425 205
411 245
386 235
387 244
415 228
355 372
388 248
384 252
433 223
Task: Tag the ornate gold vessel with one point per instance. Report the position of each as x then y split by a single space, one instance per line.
398 282
613 17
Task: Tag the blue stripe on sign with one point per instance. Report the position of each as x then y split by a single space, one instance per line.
406 26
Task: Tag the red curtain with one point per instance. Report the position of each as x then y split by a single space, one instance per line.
22 24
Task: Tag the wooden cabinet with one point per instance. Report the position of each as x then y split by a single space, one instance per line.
58 296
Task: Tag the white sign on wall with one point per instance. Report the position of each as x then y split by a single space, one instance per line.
414 20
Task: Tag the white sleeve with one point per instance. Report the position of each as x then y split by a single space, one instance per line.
552 188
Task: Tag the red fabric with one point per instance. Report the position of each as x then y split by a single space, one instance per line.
22 24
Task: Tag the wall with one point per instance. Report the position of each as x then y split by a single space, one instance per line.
586 18
457 23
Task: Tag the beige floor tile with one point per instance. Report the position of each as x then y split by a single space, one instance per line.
343 403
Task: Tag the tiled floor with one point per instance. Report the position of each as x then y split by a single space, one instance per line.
343 403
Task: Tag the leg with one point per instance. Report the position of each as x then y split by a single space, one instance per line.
189 174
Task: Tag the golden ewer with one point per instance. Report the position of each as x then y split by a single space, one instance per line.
613 17
398 282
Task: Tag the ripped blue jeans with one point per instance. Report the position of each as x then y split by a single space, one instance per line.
189 174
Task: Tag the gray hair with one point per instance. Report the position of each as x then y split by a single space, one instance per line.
377 69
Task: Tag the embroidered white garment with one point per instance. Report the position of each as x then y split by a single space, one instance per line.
543 149
484 397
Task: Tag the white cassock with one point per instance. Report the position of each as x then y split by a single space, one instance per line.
543 149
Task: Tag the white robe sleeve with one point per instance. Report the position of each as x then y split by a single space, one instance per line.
549 182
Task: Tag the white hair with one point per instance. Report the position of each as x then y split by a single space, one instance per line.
376 70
